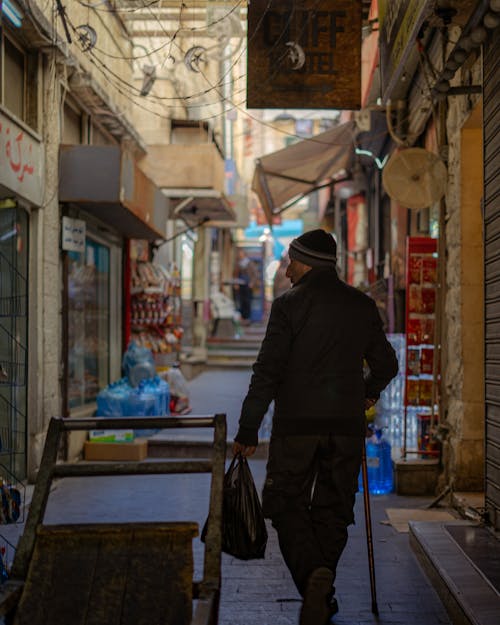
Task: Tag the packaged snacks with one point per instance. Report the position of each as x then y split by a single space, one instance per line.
429 270
428 300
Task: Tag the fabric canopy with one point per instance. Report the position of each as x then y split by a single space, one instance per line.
300 168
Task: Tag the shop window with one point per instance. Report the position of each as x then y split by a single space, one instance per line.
13 337
72 126
14 85
100 137
89 340
19 81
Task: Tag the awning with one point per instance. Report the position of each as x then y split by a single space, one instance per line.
106 182
192 176
202 206
284 176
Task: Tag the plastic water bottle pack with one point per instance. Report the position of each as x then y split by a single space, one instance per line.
149 398
378 464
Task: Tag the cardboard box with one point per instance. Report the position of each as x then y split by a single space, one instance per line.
112 436
136 450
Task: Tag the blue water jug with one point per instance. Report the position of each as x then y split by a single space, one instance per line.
378 464
136 355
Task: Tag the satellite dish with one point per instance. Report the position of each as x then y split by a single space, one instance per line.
416 178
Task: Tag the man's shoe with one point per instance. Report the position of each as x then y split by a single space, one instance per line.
316 608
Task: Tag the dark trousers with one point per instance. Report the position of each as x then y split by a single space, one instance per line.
309 495
245 301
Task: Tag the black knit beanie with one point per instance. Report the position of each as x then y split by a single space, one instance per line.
315 248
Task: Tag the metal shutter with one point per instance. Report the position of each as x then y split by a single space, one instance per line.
491 116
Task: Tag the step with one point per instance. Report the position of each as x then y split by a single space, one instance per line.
222 363
232 353
466 576
232 345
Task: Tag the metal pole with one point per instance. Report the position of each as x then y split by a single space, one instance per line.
369 537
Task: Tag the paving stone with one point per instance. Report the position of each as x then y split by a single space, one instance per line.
261 592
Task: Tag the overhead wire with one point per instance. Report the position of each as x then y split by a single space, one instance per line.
97 4
133 91
136 90
221 79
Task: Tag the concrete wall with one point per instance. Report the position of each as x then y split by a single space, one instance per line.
464 307
45 322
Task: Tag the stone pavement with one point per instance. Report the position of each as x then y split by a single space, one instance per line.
259 592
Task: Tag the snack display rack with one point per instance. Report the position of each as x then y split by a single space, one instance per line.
421 369
155 307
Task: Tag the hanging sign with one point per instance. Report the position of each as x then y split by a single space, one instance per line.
304 54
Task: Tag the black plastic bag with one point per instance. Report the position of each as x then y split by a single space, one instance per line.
244 533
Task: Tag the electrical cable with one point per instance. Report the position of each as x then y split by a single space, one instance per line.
96 4
133 90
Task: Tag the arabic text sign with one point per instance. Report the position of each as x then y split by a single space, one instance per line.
73 234
21 161
304 54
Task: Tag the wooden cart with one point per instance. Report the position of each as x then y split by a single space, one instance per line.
117 573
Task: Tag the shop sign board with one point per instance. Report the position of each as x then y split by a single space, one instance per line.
400 22
21 161
304 54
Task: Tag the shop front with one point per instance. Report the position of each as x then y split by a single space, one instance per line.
192 177
21 192
455 117
107 202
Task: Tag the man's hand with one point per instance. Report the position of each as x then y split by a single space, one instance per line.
244 450
369 403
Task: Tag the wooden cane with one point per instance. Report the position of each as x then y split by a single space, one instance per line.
369 537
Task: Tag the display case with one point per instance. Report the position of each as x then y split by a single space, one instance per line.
421 370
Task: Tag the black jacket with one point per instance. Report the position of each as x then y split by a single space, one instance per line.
311 361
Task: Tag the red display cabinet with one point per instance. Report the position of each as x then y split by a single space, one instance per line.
422 372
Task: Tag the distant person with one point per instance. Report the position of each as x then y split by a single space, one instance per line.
281 282
310 363
246 280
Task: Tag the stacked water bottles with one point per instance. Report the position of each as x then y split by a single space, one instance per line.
390 406
387 427
378 464
140 393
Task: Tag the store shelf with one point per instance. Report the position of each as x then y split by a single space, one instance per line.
421 374
155 308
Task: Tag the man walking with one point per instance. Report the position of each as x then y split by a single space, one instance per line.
311 363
